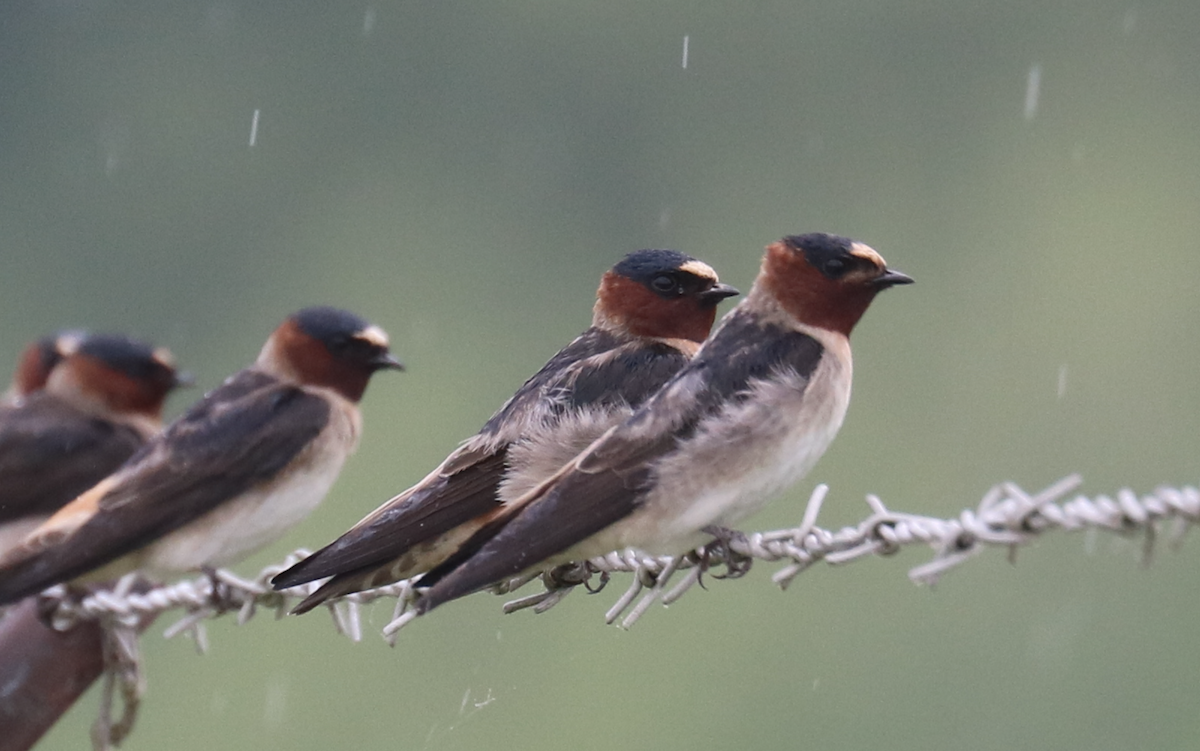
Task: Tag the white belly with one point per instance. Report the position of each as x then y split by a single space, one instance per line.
735 465
540 454
236 529
261 516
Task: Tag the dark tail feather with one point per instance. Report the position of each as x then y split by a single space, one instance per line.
331 588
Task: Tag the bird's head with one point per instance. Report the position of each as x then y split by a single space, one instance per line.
662 294
825 280
323 346
38 359
114 373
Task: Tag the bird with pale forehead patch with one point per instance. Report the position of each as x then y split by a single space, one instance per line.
652 311
86 403
749 415
239 468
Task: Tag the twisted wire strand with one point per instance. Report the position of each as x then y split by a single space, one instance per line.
1006 517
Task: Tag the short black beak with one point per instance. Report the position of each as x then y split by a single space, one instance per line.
890 278
385 361
718 292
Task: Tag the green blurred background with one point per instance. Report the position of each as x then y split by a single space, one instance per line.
462 173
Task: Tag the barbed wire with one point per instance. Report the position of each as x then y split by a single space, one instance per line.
1006 517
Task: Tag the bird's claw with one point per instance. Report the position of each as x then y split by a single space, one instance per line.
720 551
220 596
567 575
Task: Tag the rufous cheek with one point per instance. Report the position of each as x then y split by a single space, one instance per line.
644 313
116 390
810 296
307 360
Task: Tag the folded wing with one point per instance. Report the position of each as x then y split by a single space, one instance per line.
242 434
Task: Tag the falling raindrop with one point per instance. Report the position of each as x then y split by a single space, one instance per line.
219 703
114 140
254 129
1033 85
275 704
368 21
685 51
1129 23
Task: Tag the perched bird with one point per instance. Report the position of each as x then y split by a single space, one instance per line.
85 404
36 362
241 466
652 311
748 416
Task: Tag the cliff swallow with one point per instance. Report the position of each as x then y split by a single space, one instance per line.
36 362
85 404
241 466
748 416
652 311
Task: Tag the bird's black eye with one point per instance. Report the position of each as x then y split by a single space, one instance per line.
664 283
834 268
348 347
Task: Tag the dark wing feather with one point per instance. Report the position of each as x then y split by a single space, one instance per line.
628 374
462 488
51 452
597 369
553 378
242 434
574 507
430 509
609 480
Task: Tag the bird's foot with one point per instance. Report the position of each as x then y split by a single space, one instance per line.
220 598
720 551
569 575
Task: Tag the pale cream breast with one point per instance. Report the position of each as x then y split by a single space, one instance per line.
263 515
537 457
737 461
